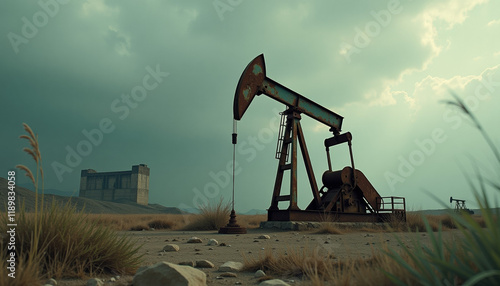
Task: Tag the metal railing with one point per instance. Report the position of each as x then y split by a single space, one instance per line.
391 204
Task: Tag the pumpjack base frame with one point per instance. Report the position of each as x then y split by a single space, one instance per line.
312 215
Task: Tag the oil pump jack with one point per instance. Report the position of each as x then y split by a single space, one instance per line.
346 195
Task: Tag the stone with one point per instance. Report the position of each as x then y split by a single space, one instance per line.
171 247
204 264
113 279
142 268
194 239
273 282
94 282
259 273
188 263
212 242
231 266
51 281
228 274
264 236
165 274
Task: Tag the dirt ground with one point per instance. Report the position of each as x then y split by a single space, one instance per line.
341 246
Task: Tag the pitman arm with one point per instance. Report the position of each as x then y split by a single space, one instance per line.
253 82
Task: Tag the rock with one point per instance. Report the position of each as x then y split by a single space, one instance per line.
228 274
141 269
51 281
188 263
259 273
113 279
264 236
212 242
171 247
94 282
194 239
204 264
222 244
273 282
164 273
231 266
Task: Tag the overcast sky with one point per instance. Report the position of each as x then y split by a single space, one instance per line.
157 79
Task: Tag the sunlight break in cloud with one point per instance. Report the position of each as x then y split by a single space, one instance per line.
97 7
493 23
482 85
451 13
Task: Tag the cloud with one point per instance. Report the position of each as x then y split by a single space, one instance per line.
442 15
493 23
478 87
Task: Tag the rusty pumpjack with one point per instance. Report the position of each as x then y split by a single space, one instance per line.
346 195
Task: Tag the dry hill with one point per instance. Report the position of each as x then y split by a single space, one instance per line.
88 205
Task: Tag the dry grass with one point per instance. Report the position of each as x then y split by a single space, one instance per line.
57 241
251 221
212 217
324 270
125 222
328 228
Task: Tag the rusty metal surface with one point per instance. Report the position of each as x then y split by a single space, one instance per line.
307 163
281 165
253 81
338 139
301 104
249 85
306 215
348 194
368 190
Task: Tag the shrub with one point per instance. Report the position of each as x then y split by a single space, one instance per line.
474 257
212 217
57 241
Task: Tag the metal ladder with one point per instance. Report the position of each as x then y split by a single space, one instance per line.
281 137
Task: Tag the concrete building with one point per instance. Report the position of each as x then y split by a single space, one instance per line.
130 186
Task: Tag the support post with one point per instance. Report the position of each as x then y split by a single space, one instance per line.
295 116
